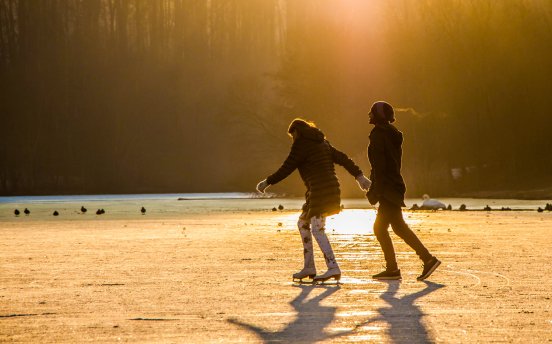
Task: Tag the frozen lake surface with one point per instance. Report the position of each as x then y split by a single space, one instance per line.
170 205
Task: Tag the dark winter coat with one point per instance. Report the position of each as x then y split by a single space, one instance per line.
385 154
314 157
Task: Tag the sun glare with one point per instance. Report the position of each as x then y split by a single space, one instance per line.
353 221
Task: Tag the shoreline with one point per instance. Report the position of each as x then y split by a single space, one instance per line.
530 194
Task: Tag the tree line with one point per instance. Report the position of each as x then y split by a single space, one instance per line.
109 96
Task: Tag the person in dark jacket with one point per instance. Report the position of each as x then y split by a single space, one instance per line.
388 188
315 157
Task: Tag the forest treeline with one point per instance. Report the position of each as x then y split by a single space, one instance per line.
130 96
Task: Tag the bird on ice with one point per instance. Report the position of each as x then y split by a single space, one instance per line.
432 204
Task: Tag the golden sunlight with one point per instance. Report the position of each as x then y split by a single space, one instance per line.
351 221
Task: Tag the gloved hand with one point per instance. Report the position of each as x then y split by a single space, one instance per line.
261 187
363 182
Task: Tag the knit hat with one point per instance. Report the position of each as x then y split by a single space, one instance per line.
383 111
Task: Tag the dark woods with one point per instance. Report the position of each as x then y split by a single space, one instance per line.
128 95
115 96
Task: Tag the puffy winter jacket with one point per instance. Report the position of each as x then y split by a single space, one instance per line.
314 157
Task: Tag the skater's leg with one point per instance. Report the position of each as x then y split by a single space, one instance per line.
308 251
404 232
381 224
319 233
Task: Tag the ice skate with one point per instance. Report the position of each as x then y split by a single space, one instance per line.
334 273
305 273
317 224
309 269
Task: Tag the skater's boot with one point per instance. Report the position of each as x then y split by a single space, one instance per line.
319 233
309 269
334 273
306 272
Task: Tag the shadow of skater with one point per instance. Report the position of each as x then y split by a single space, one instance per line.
309 325
404 317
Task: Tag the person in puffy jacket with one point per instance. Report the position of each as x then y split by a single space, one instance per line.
315 157
388 188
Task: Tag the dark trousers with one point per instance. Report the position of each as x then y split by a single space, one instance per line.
391 214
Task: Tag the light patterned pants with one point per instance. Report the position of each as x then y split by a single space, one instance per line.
315 227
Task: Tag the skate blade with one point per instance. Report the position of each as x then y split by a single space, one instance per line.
308 281
323 280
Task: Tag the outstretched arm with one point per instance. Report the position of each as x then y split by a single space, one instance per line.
342 159
293 160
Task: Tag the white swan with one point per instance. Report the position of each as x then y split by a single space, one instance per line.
432 204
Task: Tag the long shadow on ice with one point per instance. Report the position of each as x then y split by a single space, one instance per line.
403 317
311 319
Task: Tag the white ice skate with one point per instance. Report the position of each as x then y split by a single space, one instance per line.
334 273
306 272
